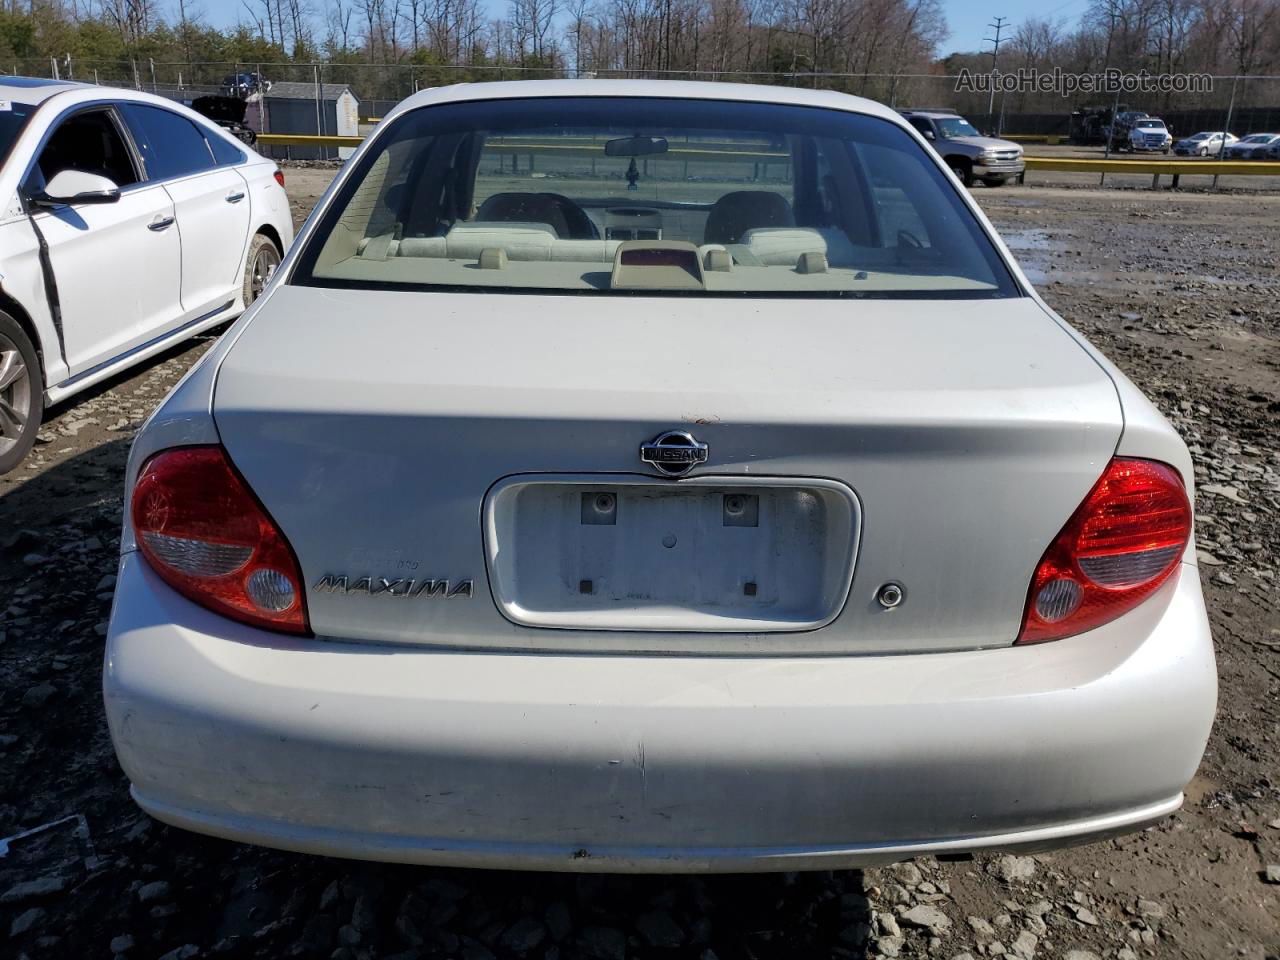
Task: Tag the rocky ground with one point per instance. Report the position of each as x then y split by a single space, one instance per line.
1181 291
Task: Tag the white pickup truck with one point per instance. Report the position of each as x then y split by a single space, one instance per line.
1149 134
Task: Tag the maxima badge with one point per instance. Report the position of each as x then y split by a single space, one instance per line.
674 453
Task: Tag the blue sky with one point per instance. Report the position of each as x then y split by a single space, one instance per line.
967 19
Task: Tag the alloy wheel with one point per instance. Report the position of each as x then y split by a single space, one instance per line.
264 268
15 394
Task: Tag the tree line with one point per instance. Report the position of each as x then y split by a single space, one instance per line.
1221 38
887 49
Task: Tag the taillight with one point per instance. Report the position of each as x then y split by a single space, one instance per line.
205 533
279 175
1119 546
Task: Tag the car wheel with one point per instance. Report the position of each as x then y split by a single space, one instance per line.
962 169
994 181
260 266
21 393
1204 151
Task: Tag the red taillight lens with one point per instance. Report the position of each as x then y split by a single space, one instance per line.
204 532
1119 546
279 175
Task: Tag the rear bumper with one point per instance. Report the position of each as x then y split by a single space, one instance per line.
616 763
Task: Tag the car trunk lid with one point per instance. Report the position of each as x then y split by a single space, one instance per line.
381 429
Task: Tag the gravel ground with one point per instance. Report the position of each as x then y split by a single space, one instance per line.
1181 291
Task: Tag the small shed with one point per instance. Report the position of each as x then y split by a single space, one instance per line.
325 109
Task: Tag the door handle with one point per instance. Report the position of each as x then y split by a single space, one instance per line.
163 223
234 197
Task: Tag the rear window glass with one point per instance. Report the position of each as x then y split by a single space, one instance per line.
171 145
223 152
616 195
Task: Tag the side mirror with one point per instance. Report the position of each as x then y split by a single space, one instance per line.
929 135
71 187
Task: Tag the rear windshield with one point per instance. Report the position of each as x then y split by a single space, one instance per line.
617 195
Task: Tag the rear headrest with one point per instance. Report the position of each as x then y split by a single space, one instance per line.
735 213
783 246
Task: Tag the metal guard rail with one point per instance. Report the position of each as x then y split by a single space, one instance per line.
1175 168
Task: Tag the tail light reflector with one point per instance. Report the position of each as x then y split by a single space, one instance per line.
1119 546
203 531
279 175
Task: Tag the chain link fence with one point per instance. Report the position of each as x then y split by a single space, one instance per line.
1242 104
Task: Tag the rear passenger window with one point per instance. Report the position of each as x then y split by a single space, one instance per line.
223 152
171 145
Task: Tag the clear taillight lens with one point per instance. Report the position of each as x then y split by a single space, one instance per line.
1119 546
204 532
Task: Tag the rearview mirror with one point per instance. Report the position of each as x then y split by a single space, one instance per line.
928 135
635 146
76 187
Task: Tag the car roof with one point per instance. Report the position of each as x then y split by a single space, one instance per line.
658 89
34 89
37 90
933 114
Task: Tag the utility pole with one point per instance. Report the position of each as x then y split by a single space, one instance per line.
998 27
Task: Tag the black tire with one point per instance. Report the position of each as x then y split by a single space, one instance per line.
259 266
994 181
21 393
962 168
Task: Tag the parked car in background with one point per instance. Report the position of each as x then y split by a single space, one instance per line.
827 542
244 85
1256 146
1149 135
129 223
1206 143
969 154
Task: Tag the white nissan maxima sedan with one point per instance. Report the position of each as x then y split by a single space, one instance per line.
654 476
128 224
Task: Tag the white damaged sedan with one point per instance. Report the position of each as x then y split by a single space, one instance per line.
649 476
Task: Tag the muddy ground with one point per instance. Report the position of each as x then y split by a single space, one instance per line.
1182 291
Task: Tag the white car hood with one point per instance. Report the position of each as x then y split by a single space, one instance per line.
987 143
